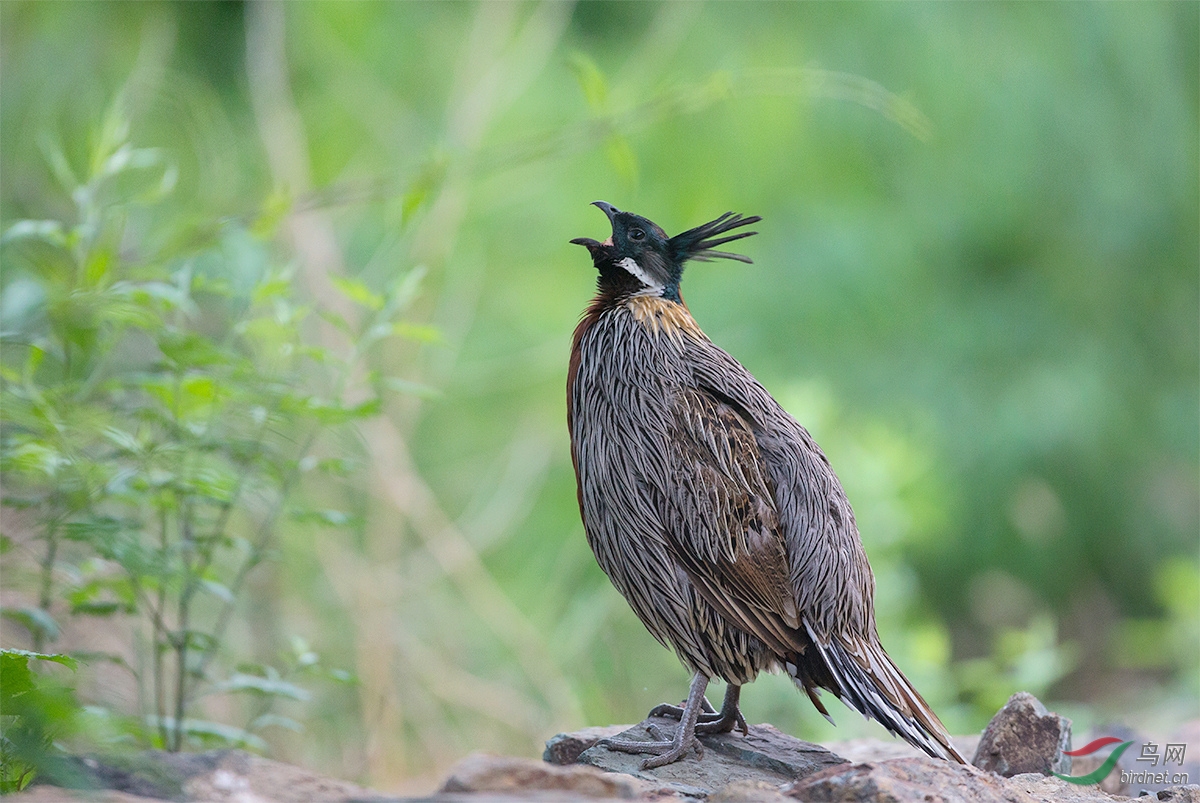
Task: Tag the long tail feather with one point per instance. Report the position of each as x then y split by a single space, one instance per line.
871 684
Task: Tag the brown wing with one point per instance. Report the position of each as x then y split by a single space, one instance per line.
717 508
830 578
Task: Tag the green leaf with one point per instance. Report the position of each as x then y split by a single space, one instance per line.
218 590
32 457
49 231
92 529
337 321
37 709
427 182
33 619
338 466
333 518
13 659
124 440
411 388
189 350
404 289
420 333
591 81
58 163
209 732
332 413
104 596
342 676
275 209
271 287
272 687
357 292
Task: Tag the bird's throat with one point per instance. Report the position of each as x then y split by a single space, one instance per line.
663 317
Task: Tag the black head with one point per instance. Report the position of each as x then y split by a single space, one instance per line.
640 258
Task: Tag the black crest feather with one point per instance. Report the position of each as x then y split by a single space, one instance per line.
698 243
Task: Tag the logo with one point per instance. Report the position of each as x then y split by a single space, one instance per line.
1172 754
1097 775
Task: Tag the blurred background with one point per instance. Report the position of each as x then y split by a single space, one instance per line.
297 276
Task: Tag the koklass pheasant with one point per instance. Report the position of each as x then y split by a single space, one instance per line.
712 511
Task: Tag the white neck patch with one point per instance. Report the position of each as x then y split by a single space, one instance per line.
629 264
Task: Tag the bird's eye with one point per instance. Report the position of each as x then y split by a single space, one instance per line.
637 235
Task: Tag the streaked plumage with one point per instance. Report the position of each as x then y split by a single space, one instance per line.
710 508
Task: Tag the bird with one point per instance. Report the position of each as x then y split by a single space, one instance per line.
711 509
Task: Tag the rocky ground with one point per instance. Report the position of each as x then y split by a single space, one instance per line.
1012 762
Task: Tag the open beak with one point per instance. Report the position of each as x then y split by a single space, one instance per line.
591 245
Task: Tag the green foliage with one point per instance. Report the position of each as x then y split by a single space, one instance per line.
162 402
35 711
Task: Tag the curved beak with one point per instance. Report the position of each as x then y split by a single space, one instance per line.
606 208
591 245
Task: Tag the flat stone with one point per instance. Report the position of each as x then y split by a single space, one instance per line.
922 780
748 792
566 747
766 755
481 772
1024 737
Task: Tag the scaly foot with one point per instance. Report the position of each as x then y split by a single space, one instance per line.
729 718
667 751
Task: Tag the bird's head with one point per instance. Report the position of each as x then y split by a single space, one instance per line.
639 257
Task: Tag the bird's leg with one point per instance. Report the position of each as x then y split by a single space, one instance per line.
730 717
710 721
667 751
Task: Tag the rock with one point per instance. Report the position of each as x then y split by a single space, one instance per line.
566 747
1181 794
241 777
1024 737
216 775
1039 788
859 751
481 772
920 780
748 792
765 755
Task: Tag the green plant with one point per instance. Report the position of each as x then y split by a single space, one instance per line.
35 710
167 393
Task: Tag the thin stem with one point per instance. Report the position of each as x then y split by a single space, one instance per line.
181 652
46 595
257 548
161 632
